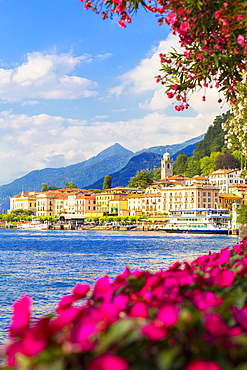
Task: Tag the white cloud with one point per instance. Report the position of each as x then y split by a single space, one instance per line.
35 142
141 79
46 77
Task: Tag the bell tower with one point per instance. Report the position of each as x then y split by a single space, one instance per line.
166 166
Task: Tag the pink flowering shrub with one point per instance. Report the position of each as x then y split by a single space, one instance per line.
192 316
212 36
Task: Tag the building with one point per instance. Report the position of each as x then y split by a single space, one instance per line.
226 200
189 197
225 178
166 166
119 206
45 204
145 204
85 204
197 180
25 201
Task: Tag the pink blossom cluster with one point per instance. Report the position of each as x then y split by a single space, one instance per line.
213 37
192 316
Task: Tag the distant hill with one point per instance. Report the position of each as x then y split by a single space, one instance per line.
188 150
143 161
172 149
112 160
82 174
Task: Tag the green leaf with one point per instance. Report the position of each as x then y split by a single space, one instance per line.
136 283
166 358
117 333
241 367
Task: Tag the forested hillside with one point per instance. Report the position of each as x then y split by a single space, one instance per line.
210 154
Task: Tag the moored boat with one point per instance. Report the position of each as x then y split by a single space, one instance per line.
35 224
197 221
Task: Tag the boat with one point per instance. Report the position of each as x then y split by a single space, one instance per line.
35 224
198 221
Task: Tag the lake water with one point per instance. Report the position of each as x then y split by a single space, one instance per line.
46 265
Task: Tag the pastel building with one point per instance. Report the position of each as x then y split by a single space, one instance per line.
25 201
189 197
225 178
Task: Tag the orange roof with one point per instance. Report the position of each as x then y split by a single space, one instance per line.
229 195
197 177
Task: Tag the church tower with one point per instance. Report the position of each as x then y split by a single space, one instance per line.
166 166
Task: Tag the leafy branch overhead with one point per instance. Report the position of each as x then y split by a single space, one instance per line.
212 54
212 35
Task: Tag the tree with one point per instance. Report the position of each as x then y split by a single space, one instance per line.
141 179
107 182
214 140
235 127
207 164
44 187
226 161
155 175
181 164
71 185
193 167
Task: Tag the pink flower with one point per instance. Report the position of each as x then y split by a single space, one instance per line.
139 309
187 54
175 87
108 361
34 341
203 365
217 328
240 40
240 316
168 315
121 24
239 18
171 18
21 316
204 300
154 331
217 14
184 27
102 288
80 290
170 95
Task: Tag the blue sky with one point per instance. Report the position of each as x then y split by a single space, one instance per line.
72 84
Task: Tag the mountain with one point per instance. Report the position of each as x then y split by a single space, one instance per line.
188 150
172 149
82 174
87 173
144 161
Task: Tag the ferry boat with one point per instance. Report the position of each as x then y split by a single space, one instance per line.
198 221
35 224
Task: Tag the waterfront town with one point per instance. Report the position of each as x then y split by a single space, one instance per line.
219 190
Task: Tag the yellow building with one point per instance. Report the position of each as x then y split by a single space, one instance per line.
25 201
119 206
226 200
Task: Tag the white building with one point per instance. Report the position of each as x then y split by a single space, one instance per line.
225 178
